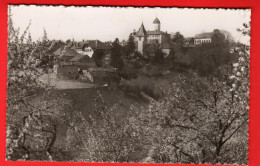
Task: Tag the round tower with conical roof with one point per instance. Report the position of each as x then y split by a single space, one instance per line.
157 24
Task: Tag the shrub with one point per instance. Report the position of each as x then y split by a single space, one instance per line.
151 86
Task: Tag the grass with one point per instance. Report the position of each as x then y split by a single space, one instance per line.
82 100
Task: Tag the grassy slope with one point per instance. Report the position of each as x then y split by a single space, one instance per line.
83 102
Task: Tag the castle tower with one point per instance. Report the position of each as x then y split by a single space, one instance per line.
141 38
157 24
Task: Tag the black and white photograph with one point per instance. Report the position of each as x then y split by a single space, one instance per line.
114 84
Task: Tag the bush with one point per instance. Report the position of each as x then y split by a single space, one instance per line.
206 58
151 86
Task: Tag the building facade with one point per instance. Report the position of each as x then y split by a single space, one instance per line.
143 37
203 38
89 47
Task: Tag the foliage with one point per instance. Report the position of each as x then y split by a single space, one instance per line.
202 119
178 38
130 47
97 57
106 138
195 121
246 29
150 49
159 57
151 86
27 118
154 53
116 55
208 57
44 38
218 38
32 126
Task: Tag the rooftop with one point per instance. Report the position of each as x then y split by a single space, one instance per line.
204 35
76 58
155 33
141 31
59 51
156 21
94 44
69 52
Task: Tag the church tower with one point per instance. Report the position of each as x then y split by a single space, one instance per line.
157 24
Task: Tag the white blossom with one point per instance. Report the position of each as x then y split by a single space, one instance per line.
238 74
232 77
241 59
235 65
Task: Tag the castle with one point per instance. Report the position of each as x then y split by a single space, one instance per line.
143 37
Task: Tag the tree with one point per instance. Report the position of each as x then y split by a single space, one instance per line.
116 55
97 57
105 138
31 127
208 57
12 32
171 58
246 29
178 38
218 38
29 40
159 56
197 122
130 47
202 119
44 38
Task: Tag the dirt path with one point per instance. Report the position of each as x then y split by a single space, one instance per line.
51 80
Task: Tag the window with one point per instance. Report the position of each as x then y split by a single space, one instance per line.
140 38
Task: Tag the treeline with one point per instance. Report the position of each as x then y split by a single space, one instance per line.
204 58
207 57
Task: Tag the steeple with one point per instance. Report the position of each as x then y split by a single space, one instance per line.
157 24
141 31
156 21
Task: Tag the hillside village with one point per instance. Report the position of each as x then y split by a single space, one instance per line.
157 97
91 60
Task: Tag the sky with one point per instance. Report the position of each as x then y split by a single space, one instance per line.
108 23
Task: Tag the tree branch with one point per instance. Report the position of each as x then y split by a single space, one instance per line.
235 131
